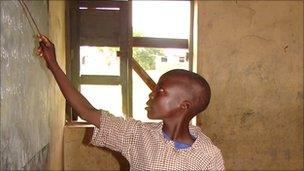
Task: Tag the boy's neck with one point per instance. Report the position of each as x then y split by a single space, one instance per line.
178 132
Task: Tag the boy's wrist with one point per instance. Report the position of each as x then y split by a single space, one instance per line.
52 65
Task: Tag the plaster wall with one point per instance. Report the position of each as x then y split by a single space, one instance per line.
251 52
80 155
57 32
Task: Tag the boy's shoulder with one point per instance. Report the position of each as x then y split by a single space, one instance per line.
147 125
144 126
203 142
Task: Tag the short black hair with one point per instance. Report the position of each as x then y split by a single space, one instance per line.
202 98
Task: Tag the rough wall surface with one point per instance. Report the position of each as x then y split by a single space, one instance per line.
251 52
79 155
25 87
57 117
38 162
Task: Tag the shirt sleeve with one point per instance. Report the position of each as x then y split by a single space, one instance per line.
114 133
217 162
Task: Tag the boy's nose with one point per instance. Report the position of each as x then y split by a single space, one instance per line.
151 95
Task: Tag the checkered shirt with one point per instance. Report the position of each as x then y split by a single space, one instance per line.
144 146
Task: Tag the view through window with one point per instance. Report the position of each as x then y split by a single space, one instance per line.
158 19
154 19
101 61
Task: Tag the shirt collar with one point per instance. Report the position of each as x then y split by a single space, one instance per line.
194 130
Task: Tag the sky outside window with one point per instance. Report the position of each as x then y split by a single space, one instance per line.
158 19
161 19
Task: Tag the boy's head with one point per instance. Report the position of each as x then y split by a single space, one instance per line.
178 92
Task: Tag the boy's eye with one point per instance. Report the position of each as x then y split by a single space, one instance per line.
161 90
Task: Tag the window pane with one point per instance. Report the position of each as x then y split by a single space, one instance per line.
99 61
107 97
162 19
140 97
152 60
160 60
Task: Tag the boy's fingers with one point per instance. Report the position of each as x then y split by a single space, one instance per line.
39 54
42 45
39 37
45 40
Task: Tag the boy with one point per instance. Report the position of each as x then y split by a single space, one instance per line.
171 145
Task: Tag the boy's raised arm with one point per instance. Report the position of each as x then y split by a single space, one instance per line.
78 102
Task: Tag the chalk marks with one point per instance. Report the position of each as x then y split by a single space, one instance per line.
25 87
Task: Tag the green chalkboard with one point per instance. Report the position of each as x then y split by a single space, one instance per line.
25 86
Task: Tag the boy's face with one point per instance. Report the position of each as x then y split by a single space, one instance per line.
165 100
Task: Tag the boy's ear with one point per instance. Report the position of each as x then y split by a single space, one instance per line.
186 105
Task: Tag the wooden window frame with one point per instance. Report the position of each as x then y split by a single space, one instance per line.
126 44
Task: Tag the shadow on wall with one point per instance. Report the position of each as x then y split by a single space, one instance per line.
123 162
79 154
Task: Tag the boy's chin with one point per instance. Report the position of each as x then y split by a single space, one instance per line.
150 116
153 117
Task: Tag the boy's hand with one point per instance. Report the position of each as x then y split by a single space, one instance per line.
46 50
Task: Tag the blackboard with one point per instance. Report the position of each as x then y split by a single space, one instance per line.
26 89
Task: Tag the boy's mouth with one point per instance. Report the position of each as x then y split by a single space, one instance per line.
147 106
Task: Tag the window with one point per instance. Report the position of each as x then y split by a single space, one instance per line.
106 35
161 19
161 30
182 59
163 59
99 61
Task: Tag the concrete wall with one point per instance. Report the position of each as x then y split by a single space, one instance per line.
80 155
25 89
57 34
251 52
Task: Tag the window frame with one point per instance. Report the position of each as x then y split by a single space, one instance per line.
126 44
